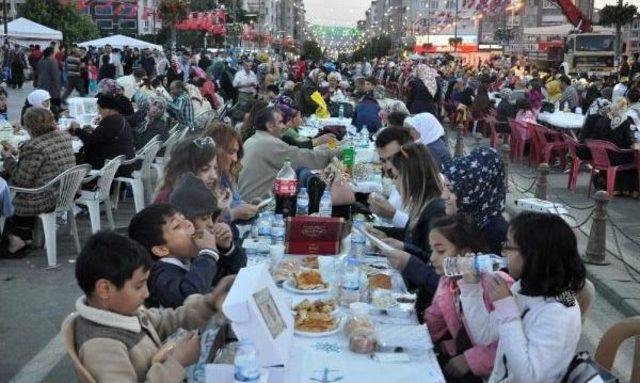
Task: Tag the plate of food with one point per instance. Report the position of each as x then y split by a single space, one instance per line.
327 306
310 262
306 282
380 281
314 323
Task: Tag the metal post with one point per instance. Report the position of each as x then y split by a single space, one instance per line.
506 162
541 181
597 245
4 15
455 29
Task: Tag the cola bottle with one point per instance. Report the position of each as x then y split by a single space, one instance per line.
286 190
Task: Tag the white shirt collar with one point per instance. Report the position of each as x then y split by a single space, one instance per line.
107 318
176 262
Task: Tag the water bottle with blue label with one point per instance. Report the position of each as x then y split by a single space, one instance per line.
277 230
358 241
245 363
302 204
341 112
325 204
478 264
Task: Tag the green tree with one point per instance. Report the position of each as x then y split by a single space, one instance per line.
618 15
311 50
75 27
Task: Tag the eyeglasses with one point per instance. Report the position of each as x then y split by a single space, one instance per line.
204 142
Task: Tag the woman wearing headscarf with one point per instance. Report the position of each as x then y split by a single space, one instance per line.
111 138
175 70
310 86
115 91
474 185
427 130
505 110
149 121
47 154
292 119
423 91
38 98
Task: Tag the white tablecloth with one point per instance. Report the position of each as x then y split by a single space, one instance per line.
563 120
310 357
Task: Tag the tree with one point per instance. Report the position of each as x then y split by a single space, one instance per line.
65 18
618 15
312 51
173 12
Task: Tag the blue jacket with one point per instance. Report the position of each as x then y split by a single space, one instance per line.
169 284
367 112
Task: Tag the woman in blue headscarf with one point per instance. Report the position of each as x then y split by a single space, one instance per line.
474 185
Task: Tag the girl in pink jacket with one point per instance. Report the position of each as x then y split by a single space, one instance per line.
461 358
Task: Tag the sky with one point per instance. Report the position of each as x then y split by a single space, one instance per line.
347 12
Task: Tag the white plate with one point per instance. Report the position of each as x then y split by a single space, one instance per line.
319 334
289 285
334 312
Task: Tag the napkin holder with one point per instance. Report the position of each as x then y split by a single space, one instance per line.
310 235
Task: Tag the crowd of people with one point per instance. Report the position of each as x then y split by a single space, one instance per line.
518 325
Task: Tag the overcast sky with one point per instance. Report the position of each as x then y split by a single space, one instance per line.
347 12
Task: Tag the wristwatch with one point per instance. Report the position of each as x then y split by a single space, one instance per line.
210 253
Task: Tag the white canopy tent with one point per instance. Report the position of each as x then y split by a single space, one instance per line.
24 32
120 41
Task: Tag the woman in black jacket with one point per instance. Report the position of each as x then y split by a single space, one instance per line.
111 138
423 91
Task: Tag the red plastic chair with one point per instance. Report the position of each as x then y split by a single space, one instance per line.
574 171
600 151
547 143
520 137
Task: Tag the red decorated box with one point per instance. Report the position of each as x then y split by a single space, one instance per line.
308 235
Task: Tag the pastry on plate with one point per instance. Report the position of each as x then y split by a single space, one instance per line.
380 281
309 280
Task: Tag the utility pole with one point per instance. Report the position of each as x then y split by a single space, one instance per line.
455 29
4 15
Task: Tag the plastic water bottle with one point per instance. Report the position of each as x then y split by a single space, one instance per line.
277 230
302 204
341 112
245 363
325 204
358 241
364 137
478 264
350 284
264 232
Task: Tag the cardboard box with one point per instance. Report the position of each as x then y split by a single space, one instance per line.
308 235
257 311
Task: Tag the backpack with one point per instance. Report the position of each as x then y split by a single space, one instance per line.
583 369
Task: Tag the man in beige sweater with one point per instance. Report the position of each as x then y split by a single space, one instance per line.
112 337
265 152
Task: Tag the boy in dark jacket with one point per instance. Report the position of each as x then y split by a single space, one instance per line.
190 257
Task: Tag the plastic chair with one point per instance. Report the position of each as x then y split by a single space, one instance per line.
496 137
93 199
161 161
600 161
520 137
611 341
548 142
139 179
573 145
67 183
68 330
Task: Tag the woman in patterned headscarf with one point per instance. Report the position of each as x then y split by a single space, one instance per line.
424 91
474 185
109 87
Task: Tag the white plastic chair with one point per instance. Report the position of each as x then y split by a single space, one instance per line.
93 199
168 146
68 184
140 179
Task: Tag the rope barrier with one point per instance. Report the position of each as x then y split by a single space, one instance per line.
628 267
521 190
634 241
565 203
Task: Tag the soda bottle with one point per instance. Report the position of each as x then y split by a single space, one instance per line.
349 156
478 264
285 190
245 363
302 203
325 204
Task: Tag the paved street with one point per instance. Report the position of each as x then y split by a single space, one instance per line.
35 300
